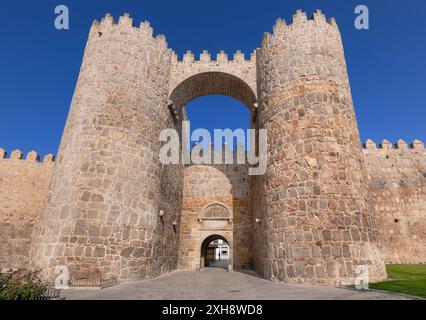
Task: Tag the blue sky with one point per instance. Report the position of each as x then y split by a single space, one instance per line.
40 65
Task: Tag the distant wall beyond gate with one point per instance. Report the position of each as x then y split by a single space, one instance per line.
397 176
23 190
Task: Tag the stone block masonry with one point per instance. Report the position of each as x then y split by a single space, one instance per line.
226 189
234 77
317 223
101 219
397 178
23 190
107 208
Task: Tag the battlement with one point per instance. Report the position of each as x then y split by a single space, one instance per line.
237 72
221 57
126 22
32 156
399 145
299 18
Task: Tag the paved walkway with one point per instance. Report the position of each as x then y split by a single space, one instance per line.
218 284
222 264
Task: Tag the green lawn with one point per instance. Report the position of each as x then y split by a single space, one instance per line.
404 278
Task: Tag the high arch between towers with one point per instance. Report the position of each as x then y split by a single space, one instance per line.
234 78
208 83
216 204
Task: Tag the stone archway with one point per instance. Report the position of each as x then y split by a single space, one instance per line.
208 190
215 202
209 83
205 244
235 77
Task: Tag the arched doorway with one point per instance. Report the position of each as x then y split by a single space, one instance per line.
206 186
216 252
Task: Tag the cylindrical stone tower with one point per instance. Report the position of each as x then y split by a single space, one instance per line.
101 216
316 223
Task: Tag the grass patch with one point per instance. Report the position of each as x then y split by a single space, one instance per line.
404 278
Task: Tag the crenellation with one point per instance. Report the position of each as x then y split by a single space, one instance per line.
146 29
369 144
205 56
33 156
332 22
279 26
125 23
125 20
238 56
282 29
188 57
385 144
16 155
401 144
318 16
417 145
300 17
49 158
222 56
161 39
107 21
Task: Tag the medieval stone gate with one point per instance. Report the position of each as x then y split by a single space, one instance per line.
109 186
114 210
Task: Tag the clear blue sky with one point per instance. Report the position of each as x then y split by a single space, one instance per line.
40 65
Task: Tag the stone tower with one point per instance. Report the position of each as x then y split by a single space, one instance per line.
114 211
101 217
316 222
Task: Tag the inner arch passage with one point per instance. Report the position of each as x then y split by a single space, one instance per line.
213 83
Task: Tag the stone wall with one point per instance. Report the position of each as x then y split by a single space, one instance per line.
397 177
208 189
23 191
316 223
101 217
168 226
